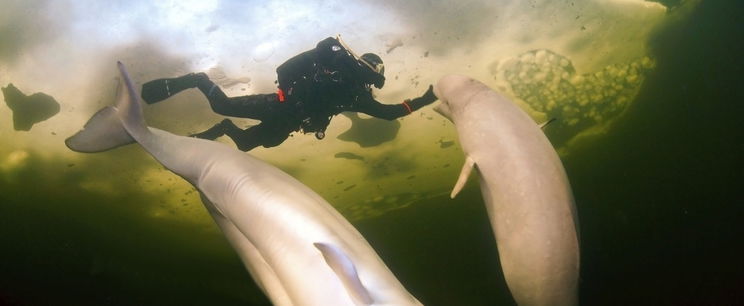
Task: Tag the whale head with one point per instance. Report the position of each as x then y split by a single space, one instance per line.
454 91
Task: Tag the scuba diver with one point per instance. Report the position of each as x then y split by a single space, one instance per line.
313 86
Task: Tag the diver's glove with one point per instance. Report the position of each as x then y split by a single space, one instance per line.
427 98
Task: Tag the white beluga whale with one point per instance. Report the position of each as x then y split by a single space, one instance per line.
525 189
296 246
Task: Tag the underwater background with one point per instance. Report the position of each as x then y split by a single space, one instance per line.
648 97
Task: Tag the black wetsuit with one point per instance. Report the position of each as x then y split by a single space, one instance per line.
314 86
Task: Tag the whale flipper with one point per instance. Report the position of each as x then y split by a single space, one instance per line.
467 168
346 271
544 124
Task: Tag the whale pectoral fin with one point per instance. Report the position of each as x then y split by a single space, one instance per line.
542 126
344 268
467 168
213 209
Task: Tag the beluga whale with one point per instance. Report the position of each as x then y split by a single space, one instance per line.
295 245
525 189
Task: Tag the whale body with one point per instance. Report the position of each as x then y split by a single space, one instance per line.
525 188
296 246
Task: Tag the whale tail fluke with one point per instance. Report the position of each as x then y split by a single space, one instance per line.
112 126
104 131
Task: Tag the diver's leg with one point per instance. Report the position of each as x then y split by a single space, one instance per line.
277 133
259 106
246 139
158 90
267 134
215 131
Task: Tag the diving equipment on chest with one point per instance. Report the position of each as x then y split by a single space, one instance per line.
316 124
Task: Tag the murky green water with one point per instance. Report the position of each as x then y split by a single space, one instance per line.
657 177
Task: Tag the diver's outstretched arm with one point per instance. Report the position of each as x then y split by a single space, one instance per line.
374 108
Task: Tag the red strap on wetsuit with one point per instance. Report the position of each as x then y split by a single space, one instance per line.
408 107
280 93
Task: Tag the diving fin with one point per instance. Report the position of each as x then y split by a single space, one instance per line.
467 168
344 268
160 89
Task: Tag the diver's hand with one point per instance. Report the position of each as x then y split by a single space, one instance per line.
429 95
427 98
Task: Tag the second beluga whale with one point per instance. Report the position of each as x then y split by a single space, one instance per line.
296 246
525 189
